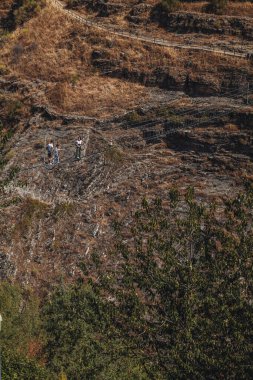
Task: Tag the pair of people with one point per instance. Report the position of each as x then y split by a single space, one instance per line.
53 153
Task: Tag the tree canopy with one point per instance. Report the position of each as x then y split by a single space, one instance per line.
178 303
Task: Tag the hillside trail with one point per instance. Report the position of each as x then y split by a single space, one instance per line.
141 37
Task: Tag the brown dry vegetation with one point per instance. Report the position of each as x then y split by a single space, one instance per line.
55 50
234 8
58 51
96 96
54 225
5 6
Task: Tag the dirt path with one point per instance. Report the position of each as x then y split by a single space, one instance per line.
140 37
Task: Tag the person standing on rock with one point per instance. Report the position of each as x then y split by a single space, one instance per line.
56 154
50 149
79 142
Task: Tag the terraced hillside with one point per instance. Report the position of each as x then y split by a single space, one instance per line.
152 117
133 261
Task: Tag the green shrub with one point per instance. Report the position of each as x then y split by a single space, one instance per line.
75 3
178 304
24 10
113 155
21 330
19 367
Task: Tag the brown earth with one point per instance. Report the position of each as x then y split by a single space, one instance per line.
151 118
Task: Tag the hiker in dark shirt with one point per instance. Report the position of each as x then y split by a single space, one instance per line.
56 155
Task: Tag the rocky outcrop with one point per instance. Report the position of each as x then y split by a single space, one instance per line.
202 23
139 14
104 8
170 78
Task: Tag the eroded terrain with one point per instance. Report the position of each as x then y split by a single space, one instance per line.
151 118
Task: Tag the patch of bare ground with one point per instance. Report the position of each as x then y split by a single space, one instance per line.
55 219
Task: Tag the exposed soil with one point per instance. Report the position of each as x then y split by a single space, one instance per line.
151 118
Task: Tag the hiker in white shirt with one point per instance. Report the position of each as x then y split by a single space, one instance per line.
50 149
79 142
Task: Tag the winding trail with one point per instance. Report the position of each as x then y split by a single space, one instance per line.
138 36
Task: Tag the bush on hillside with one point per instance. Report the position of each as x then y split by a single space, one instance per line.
22 11
177 299
75 3
21 337
170 5
217 6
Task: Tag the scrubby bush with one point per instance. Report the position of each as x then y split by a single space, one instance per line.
75 3
22 11
20 335
170 5
217 6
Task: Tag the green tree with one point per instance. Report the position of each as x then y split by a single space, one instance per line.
185 289
21 337
24 10
83 339
177 304
16 366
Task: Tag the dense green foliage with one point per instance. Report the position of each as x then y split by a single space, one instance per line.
19 367
21 334
83 337
173 301
178 303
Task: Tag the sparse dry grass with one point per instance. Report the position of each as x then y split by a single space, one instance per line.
97 96
58 51
53 49
231 128
42 49
235 8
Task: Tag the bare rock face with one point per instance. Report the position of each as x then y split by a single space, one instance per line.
6 267
169 78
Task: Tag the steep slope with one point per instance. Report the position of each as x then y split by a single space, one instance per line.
143 133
